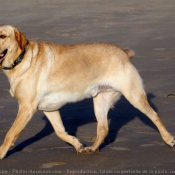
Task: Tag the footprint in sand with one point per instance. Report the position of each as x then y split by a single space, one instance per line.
52 164
120 148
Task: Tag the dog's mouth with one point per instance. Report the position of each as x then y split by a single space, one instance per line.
3 54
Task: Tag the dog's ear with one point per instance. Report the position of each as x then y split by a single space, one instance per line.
21 39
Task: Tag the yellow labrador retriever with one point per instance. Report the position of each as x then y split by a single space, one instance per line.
45 76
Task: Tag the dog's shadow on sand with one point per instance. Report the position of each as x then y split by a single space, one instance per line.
81 113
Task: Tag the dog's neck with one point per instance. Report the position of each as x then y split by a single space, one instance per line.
18 60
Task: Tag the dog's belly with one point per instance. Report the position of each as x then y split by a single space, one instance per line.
54 101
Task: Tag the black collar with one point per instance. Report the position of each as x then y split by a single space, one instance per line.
18 60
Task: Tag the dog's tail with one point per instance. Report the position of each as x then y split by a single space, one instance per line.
129 53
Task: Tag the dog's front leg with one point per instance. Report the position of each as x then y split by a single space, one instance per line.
55 119
25 113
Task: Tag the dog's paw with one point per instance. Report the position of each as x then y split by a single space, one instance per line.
87 150
80 149
171 141
2 153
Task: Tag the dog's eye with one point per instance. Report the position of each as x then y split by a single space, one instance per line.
2 36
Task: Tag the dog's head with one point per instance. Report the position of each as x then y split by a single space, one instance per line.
12 42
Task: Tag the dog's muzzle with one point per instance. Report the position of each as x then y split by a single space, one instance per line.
3 54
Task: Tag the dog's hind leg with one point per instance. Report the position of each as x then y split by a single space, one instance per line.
102 103
55 119
135 94
141 103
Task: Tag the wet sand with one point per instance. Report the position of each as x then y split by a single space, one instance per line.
133 145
